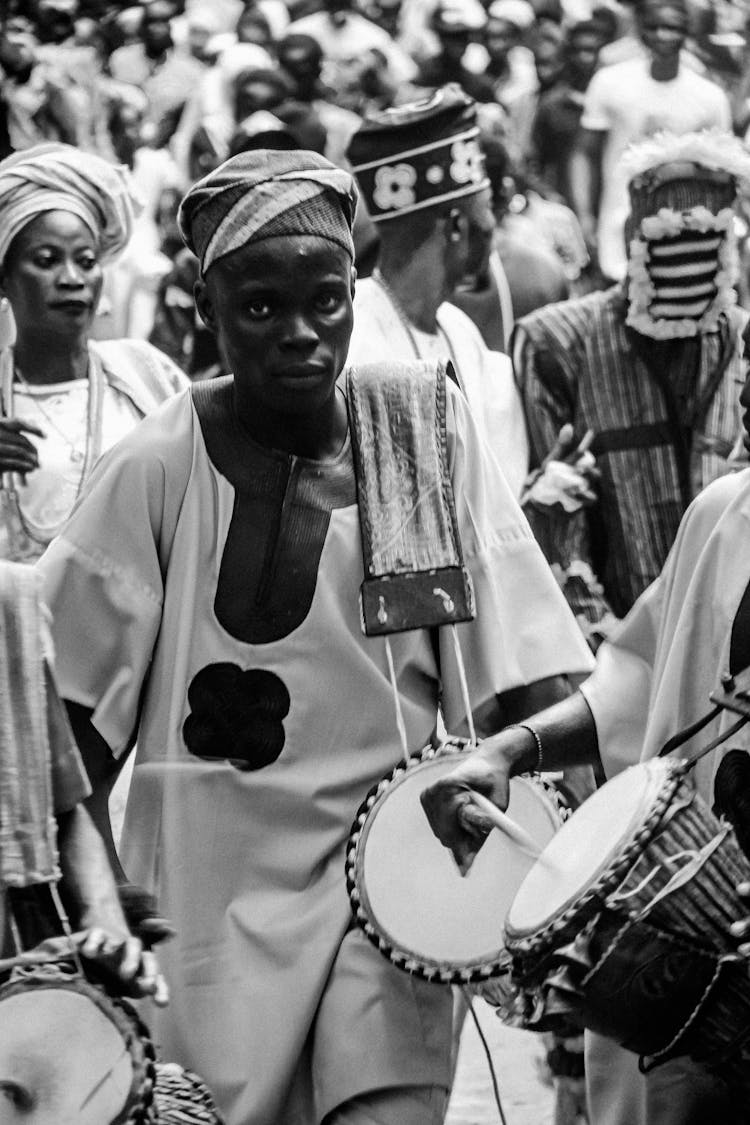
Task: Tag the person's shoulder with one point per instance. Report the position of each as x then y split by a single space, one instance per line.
728 493
452 319
703 83
141 371
163 434
614 74
572 316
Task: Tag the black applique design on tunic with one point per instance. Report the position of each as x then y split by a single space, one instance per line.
236 716
266 582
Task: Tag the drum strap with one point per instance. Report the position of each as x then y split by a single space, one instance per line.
415 576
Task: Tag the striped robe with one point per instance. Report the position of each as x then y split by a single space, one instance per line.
666 420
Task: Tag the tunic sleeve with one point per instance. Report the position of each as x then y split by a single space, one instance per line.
103 575
523 630
70 784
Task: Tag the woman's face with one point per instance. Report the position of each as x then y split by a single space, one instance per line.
52 276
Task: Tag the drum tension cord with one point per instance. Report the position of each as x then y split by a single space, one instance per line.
486 1048
401 726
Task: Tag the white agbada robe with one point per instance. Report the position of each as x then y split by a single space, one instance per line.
250 865
486 377
652 680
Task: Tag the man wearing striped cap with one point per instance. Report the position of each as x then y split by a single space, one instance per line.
207 595
651 366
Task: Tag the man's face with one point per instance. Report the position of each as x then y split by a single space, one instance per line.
467 255
548 61
282 312
254 94
303 64
155 30
663 30
500 36
583 55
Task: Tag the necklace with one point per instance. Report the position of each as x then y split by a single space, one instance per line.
43 535
407 326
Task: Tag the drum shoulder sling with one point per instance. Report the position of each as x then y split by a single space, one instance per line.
405 891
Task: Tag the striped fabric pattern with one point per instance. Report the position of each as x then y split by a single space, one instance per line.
683 274
661 435
28 851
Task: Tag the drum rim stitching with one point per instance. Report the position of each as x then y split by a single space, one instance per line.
539 942
499 966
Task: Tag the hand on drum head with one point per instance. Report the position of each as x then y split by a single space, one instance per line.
454 819
135 969
741 928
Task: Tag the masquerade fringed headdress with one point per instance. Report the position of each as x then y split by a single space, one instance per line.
682 253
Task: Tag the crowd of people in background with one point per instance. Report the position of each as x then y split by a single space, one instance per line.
606 424
171 88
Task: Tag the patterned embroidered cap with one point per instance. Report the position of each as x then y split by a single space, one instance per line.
267 193
419 155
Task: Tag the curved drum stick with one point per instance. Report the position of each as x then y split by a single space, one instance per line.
506 824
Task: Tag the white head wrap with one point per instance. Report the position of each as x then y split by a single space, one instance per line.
56 177
518 12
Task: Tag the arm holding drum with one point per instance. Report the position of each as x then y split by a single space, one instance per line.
568 736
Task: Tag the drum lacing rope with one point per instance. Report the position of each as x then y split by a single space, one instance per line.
397 703
463 683
697 858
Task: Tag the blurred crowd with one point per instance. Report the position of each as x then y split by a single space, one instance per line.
171 88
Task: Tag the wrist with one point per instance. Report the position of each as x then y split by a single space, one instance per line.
516 746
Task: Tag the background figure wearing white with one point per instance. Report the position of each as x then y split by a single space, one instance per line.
629 102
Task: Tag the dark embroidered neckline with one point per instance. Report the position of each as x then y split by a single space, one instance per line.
282 511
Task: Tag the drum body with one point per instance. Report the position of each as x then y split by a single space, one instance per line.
623 925
70 1055
406 891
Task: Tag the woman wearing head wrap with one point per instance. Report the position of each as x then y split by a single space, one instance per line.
63 399
205 594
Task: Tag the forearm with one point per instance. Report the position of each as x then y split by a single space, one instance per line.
567 733
87 880
103 770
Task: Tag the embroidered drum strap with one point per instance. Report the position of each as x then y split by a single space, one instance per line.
414 571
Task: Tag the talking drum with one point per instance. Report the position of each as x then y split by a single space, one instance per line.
406 892
72 1055
623 926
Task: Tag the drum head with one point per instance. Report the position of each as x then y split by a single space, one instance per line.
586 846
63 1059
407 892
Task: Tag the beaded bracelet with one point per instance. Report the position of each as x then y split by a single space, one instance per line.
537 740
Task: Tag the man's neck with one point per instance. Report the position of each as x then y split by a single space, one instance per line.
665 70
418 287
